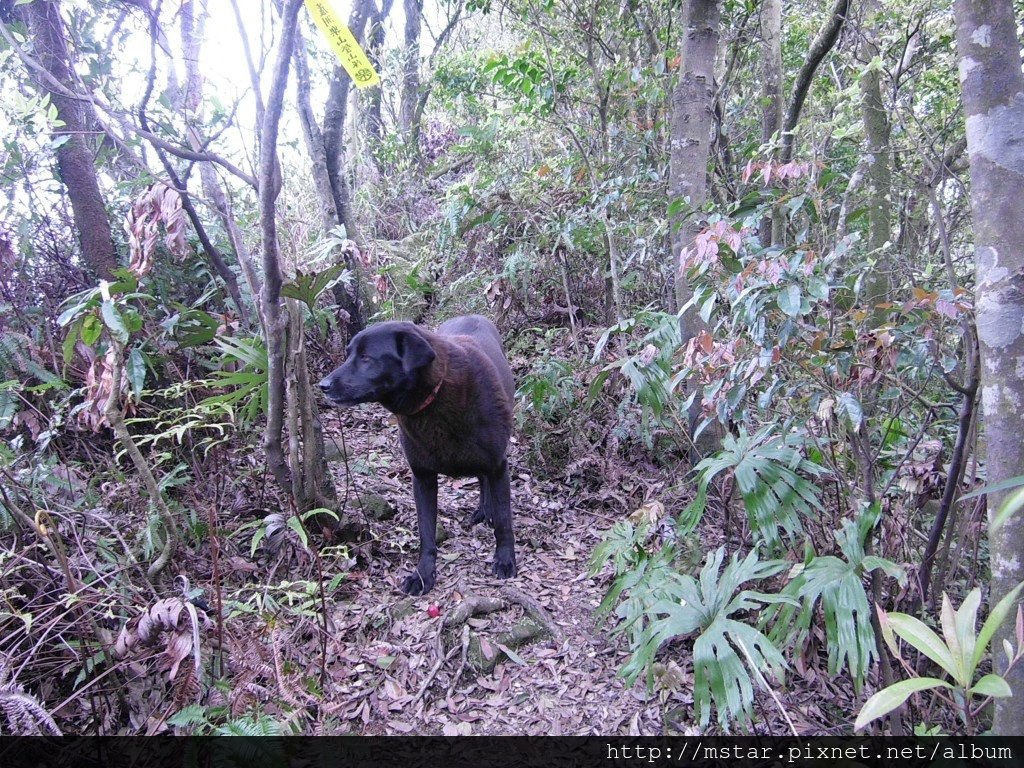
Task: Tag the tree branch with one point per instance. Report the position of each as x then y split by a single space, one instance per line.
822 44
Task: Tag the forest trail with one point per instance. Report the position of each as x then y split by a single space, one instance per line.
395 670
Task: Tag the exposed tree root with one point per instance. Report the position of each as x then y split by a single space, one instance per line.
483 653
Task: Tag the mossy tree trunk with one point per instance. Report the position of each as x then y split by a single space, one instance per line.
993 94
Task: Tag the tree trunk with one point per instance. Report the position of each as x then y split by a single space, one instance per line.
314 139
314 487
371 97
303 475
993 94
335 116
877 283
274 320
771 69
74 157
411 74
771 92
689 149
690 143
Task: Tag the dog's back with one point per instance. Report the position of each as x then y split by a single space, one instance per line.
486 335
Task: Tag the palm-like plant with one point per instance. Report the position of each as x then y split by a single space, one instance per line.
728 654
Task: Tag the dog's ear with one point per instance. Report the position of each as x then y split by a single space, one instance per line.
414 350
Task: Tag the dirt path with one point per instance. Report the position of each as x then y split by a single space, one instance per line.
396 671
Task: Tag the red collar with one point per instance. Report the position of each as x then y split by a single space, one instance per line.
433 395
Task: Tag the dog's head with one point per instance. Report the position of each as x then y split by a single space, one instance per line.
382 365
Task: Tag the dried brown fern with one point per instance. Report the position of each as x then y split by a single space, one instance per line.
25 715
173 622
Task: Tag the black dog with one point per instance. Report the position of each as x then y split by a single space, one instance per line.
452 391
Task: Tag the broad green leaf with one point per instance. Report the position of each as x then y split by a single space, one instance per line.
995 620
947 620
73 311
296 525
788 300
887 634
135 369
992 685
319 511
1010 506
307 288
70 339
923 639
132 319
257 539
1012 482
849 406
8 408
888 567
847 612
888 699
965 620
114 322
91 329
720 673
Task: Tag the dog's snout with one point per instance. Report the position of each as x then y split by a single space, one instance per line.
325 384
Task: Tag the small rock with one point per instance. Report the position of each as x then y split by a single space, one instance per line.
333 451
376 507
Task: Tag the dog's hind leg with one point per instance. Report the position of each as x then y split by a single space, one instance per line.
482 513
499 500
424 491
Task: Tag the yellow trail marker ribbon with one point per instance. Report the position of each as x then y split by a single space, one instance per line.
344 43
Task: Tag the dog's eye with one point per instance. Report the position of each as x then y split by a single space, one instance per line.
366 359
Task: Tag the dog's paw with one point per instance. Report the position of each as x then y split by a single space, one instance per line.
479 516
504 567
416 584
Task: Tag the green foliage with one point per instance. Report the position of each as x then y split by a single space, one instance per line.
549 389
198 720
21 376
189 326
648 371
300 598
958 653
201 426
307 288
17 362
644 574
526 80
246 377
836 585
657 604
111 302
771 476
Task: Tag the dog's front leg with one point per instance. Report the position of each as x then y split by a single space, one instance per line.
499 499
424 491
